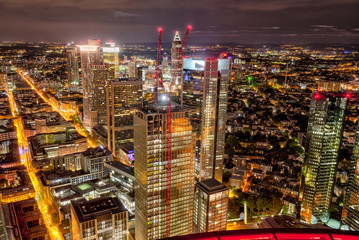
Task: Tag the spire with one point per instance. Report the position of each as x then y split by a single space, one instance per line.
177 37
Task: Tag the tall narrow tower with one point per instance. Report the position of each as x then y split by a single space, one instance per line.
72 68
90 56
350 213
324 133
214 112
176 69
164 172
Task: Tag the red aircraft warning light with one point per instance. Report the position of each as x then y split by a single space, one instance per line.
347 95
317 96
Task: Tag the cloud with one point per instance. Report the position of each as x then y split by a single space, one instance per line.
117 13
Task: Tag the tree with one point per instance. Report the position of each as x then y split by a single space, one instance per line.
251 203
262 204
3 182
276 205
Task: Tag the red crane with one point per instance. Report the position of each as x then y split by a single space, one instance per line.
158 62
185 38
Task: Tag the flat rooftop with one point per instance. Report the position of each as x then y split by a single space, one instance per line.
89 210
211 185
121 167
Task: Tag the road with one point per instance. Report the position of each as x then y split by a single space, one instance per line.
241 226
43 203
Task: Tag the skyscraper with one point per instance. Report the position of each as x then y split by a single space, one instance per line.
214 116
210 206
324 134
96 101
350 213
111 58
90 56
72 69
164 172
122 96
176 69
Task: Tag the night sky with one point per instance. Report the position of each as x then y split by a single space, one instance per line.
127 21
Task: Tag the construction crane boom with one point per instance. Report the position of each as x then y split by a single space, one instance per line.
158 62
185 38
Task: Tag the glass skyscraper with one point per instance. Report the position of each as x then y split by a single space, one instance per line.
324 134
164 172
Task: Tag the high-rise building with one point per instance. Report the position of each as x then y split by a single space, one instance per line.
122 96
176 69
324 134
205 84
4 82
97 96
90 56
101 218
350 213
72 68
214 116
164 172
132 69
111 58
210 206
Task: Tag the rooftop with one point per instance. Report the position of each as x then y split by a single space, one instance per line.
212 185
86 211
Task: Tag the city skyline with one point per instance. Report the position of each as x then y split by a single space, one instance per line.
230 21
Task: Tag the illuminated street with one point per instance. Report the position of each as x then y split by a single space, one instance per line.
67 116
43 203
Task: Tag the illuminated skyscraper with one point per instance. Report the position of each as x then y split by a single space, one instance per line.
164 172
210 206
97 96
90 56
122 96
214 117
176 69
111 58
350 213
4 82
324 134
132 69
72 69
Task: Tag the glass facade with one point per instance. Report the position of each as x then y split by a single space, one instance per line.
324 134
164 192
216 77
123 96
350 214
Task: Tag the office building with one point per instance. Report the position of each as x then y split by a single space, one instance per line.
210 206
123 96
132 69
205 89
176 69
97 97
164 172
90 56
350 213
214 117
4 82
102 218
72 68
111 58
324 134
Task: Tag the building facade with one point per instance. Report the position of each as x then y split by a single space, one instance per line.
164 172
102 218
72 68
90 56
177 69
214 117
210 206
122 96
111 58
324 134
350 213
